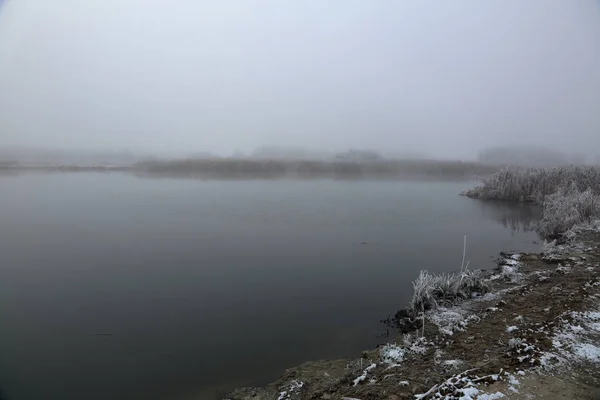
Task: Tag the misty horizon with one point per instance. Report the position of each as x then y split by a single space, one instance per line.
444 81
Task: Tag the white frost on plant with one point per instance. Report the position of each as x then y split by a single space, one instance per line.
392 354
567 209
433 290
569 195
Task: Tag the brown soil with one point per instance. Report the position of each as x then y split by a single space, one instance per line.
539 300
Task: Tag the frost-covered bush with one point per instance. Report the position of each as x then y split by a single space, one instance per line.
566 208
519 183
433 290
569 195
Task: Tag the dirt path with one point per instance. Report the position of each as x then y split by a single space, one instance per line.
537 336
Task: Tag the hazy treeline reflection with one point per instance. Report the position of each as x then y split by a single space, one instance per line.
231 168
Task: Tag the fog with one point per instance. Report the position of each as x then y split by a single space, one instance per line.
440 78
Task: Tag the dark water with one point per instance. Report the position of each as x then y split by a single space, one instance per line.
115 287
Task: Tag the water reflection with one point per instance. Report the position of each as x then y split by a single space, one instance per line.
517 217
8 172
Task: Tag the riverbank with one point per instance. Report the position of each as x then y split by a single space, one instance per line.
255 169
537 332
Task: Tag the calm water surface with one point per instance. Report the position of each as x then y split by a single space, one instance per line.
116 287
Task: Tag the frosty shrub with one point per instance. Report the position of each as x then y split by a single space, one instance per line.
569 196
534 184
566 208
433 290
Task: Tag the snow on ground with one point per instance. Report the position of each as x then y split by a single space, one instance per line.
453 363
467 386
451 319
294 386
509 268
577 340
363 376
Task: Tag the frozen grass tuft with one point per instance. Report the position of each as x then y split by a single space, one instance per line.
433 290
566 208
392 354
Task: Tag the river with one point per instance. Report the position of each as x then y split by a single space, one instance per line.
119 287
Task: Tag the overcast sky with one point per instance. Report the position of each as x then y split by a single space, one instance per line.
443 77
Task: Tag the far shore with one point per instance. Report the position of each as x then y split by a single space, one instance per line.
240 169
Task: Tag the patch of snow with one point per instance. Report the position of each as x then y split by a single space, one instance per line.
450 320
510 273
523 358
492 396
589 315
563 269
510 329
587 351
453 363
595 326
403 383
419 346
489 296
363 376
575 341
294 385
469 392
462 386
514 343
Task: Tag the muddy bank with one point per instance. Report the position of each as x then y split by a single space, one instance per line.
537 333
